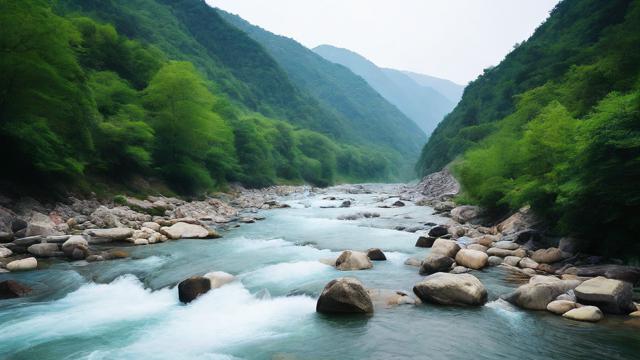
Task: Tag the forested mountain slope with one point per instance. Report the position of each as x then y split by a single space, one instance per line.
446 87
424 105
99 93
339 89
556 125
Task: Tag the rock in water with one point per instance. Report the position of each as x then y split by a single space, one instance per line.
472 259
612 296
76 248
585 313
22 265
182 230
190 289
219 278
353 260
560 307
425 241
451 289
438 231
445 247
537 296
434 263
376 254
344 295
10 289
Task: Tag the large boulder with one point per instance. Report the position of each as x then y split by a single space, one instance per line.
191 288
472 259
434 263
10 289
612 296
353 260
183 230
538 295
451 289
439 230
23 264
376 254
584 313
98 236
44 250
560 307
344 295
629 274
465 213
445 247
547 256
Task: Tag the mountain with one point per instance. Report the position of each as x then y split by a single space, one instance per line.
337 88
423 104
166 95
446 87
556 126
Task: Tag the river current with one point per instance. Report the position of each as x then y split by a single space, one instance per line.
129 309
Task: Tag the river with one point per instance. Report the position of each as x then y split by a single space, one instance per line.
129 309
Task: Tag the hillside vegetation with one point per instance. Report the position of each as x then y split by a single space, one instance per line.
556 125
118 90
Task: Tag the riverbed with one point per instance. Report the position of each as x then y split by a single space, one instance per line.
129 308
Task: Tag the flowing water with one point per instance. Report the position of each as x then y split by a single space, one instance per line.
129 309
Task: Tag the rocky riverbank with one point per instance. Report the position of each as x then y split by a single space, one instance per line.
32 232
553 274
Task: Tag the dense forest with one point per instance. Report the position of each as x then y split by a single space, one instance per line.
556 126
112 91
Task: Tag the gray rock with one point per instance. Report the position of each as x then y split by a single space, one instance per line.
512 260
536 296
44 250
495 260
445 247
438 231
465 213
98 236
190 289
4 252
434 263
547 256
612 296
344 295
425 241
376 254
451 289
584 313
507 245
183 230
353 260
28 241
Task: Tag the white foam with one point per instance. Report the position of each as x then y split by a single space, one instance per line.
287 272
245 244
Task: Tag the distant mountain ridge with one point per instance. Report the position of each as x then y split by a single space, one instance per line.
422 98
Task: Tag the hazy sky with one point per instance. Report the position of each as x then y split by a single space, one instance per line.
453 39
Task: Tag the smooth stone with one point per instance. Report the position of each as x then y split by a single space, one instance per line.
547 256
425 241
537 295
445 247
141 242
98 236
151 225
464 213
527 263
344 295
499 252
434 263
44 250
611 296
28 241
353 260
376 254
389 298
584 313
460 270
507 245
191 288
438 231
477 247
472 259
23 264
451 289
183 230
560 307
219 278
486 240
4 252
413 262
512 260
57 239
495 260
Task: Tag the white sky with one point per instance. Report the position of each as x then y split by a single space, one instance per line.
452 39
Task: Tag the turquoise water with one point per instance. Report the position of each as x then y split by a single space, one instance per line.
129 309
